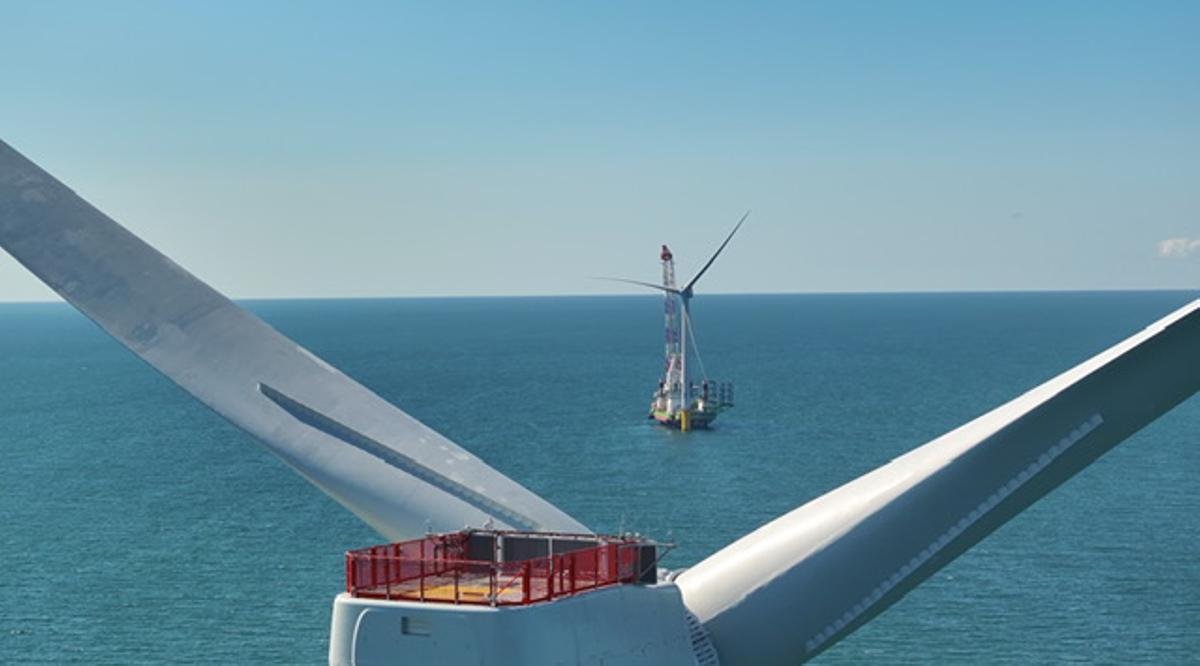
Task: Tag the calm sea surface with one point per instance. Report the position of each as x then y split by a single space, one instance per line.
138 527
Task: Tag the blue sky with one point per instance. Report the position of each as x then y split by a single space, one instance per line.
297 149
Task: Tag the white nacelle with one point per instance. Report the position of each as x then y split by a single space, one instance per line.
634 625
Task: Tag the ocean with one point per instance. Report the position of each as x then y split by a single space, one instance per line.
139 527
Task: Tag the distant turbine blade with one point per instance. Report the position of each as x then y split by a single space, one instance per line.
393 472
688 288
639 282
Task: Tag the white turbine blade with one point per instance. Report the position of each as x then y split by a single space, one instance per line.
660 287
396 474
804 581
688 289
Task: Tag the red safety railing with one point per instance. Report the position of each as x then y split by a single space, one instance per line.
435 569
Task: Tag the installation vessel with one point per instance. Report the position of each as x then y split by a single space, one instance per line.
679 401
525 582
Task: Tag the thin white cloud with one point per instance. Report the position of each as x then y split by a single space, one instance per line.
1178 247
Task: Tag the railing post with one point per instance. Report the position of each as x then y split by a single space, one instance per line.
421 570
525 583
374 567
350 587
456 573
572 556
399 572
492 583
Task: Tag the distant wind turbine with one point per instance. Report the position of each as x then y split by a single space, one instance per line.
673 404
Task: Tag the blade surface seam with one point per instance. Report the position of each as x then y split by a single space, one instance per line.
315 419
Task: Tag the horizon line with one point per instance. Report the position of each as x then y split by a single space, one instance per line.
896 292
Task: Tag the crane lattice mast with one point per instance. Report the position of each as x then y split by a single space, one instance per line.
675 371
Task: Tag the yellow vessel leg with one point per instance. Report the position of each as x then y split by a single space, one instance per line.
683 421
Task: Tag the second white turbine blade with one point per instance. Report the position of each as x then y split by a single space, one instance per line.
804 581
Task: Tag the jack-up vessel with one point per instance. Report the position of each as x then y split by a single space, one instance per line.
680 401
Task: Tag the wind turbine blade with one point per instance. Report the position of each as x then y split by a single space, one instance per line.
688 288
799 584
639 282
392 471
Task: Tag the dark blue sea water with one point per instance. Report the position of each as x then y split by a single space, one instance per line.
138 527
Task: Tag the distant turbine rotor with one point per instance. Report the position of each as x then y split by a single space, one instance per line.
686 291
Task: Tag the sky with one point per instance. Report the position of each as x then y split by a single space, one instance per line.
362 149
